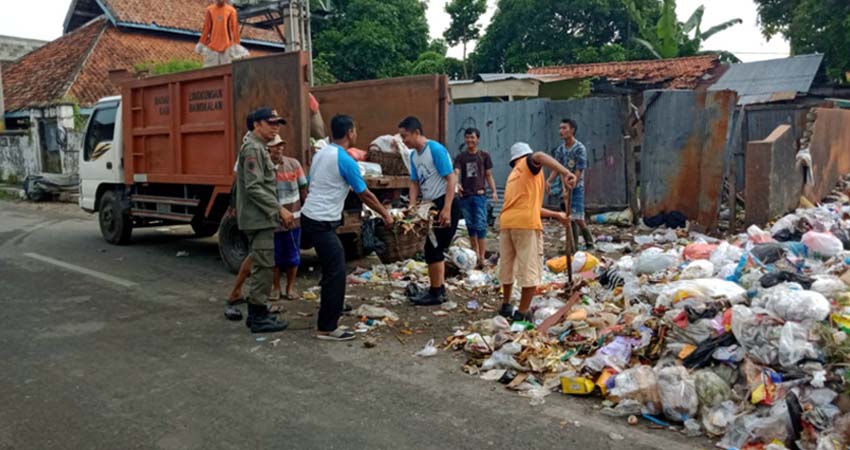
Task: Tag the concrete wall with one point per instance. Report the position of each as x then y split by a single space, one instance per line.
830 149
600 122
23 153
774 181
684 154
12 48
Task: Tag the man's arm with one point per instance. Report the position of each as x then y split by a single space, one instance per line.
446 213
372 202
443 164
413 193
234 28
492 182
205 32
557 215
253 175
459 186
542 159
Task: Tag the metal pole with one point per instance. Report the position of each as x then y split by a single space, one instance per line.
568 197
309 41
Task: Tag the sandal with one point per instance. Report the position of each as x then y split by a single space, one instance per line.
275 297
276 309
292 297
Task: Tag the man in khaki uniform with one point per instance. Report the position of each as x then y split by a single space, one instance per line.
259 214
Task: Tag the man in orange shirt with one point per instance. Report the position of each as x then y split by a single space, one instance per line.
521 227
220 32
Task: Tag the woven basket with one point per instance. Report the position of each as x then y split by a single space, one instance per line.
400 244
391 163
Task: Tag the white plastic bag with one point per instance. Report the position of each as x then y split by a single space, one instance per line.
789 301
504 358
368 169
786 223
706 289
615 355
654 260
428 350
237 52
678 393
725 254
828 285
700 268
717 419
639 383
824 244
794 345
374 312
463 258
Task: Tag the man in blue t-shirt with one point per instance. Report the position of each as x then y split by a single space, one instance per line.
333 173
432 175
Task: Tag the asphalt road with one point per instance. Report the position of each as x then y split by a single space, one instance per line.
107 347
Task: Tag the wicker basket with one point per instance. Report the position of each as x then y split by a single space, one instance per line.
400 244
391 163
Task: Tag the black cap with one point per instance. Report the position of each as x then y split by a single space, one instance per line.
269 115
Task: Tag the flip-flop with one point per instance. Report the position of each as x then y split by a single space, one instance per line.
274 298
276 309
292 297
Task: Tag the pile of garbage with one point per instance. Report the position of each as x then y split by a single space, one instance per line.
744 340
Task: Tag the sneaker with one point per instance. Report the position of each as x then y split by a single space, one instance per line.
260 321
232 313
429 299
340 334
507 310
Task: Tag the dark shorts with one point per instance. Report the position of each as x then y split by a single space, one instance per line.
287 248
443 235
474 209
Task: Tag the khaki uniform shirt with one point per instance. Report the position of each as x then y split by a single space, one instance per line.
257 206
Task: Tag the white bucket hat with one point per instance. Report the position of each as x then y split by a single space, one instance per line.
519 150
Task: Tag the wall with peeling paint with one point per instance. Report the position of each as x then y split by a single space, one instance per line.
830 149
774 181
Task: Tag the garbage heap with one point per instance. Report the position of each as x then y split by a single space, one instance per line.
744 340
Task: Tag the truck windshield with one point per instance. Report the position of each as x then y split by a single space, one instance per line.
100 133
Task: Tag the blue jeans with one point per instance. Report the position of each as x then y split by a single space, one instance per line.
474 209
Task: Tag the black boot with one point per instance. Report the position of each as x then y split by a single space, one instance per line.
260 321
588 238
431 297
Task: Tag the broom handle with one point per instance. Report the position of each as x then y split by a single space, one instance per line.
568 197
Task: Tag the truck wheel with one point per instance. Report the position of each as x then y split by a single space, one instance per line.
233 245
115 224
352 246
203 228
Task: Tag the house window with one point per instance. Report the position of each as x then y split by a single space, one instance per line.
49 133
100 132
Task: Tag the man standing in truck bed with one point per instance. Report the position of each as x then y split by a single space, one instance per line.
259 214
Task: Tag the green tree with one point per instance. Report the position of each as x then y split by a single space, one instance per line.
527 33
671 38
812 26
367 39
464 25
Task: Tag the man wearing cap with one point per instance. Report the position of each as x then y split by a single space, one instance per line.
521 227
333 173
259 214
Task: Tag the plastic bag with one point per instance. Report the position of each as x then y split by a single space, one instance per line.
768 253
504 358
357 154
711 389
582 262
789 302
463 258
756 337
374 312
678 393
757 235
368 169
615 355
545 307
725 254
492 326
654 260
640 384
698 250
623 218
700 268
788 222
828 285
237 52
824 244
794 345
478 345
476 279
716 419
706 289
428 350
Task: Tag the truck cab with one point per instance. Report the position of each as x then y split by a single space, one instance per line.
102 154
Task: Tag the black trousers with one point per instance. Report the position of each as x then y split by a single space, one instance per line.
444 235
322 236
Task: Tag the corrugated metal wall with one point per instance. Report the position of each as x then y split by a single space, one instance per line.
761 121
600 122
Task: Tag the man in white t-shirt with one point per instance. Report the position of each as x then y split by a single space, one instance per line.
333 173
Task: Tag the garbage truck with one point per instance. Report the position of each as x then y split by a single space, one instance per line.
163 152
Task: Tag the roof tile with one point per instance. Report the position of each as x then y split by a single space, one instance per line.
677 73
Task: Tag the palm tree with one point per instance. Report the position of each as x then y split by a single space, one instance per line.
671 38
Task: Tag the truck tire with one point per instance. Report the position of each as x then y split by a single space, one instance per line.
352 246
233 245
203 228
114 218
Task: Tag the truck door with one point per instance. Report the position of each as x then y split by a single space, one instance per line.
101 158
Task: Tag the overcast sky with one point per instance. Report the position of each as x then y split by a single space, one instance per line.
42 19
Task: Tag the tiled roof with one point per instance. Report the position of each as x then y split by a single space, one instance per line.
44 76
76 66
677 73
183 15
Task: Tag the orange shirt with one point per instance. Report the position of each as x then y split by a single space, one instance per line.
523 198
221 27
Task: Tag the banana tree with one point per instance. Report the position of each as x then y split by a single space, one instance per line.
671 38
